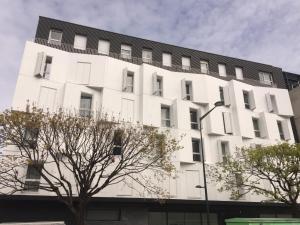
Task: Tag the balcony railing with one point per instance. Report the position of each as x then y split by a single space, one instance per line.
139 61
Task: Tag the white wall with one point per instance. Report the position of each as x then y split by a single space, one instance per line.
105 85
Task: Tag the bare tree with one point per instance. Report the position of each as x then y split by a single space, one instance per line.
272 172
77 157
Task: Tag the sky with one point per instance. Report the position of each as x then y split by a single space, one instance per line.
266 31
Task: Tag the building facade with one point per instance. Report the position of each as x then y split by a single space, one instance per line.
85 69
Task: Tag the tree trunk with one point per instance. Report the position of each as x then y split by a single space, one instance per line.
80 213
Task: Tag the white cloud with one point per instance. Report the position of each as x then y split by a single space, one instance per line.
259 30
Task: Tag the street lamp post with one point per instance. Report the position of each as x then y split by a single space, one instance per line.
219 103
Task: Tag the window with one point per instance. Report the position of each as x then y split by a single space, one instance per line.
239 73
204 67
271 103
30 137
222 70
129 82
224 151
126 51
256 127
265 78
80 42
221 91
196 150
194 119
186 63
33 175
43 66
47 69
117 149
157 85
167 59
103 47
246 99
147 56
187 90
55 37
85 105
165 116
280 129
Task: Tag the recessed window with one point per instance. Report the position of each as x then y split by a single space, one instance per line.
117 149
165 116
239 73
256 127
187 90
196 150
55 37
280 129
222 70
103 47
147 56
167 59
225 151
126 51
43 66
227 123
271 103
157 85
80 42
194 119
186 63
246 99
128 81
85 105
204 67
33 176
266 78
47 70
30 137
221 91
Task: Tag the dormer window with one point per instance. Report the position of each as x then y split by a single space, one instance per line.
55 37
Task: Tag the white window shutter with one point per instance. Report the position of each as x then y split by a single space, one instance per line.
285 128
227 123
262 126
124 80
226 96
40 64
154 83
252 100
174 114
269 103
183 89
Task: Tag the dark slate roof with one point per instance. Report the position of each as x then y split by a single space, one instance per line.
250 69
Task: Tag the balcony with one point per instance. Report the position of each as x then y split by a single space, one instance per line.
140 61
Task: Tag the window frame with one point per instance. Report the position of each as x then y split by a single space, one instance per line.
32 184
126 53
242 72
189 90
206 63
79 47
194 124
169 64
186 67
225 69
166 122
55 41
85 112
102 52
147 59
197 155
262 76
257 131
221 93
246 100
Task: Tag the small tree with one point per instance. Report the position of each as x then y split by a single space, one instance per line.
273 172
78 157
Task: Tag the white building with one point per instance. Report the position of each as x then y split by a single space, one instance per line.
62 69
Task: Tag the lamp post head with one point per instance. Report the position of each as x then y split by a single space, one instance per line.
219 103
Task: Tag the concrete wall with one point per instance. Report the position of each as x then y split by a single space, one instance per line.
295 99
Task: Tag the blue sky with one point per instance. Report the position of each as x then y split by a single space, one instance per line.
266 31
